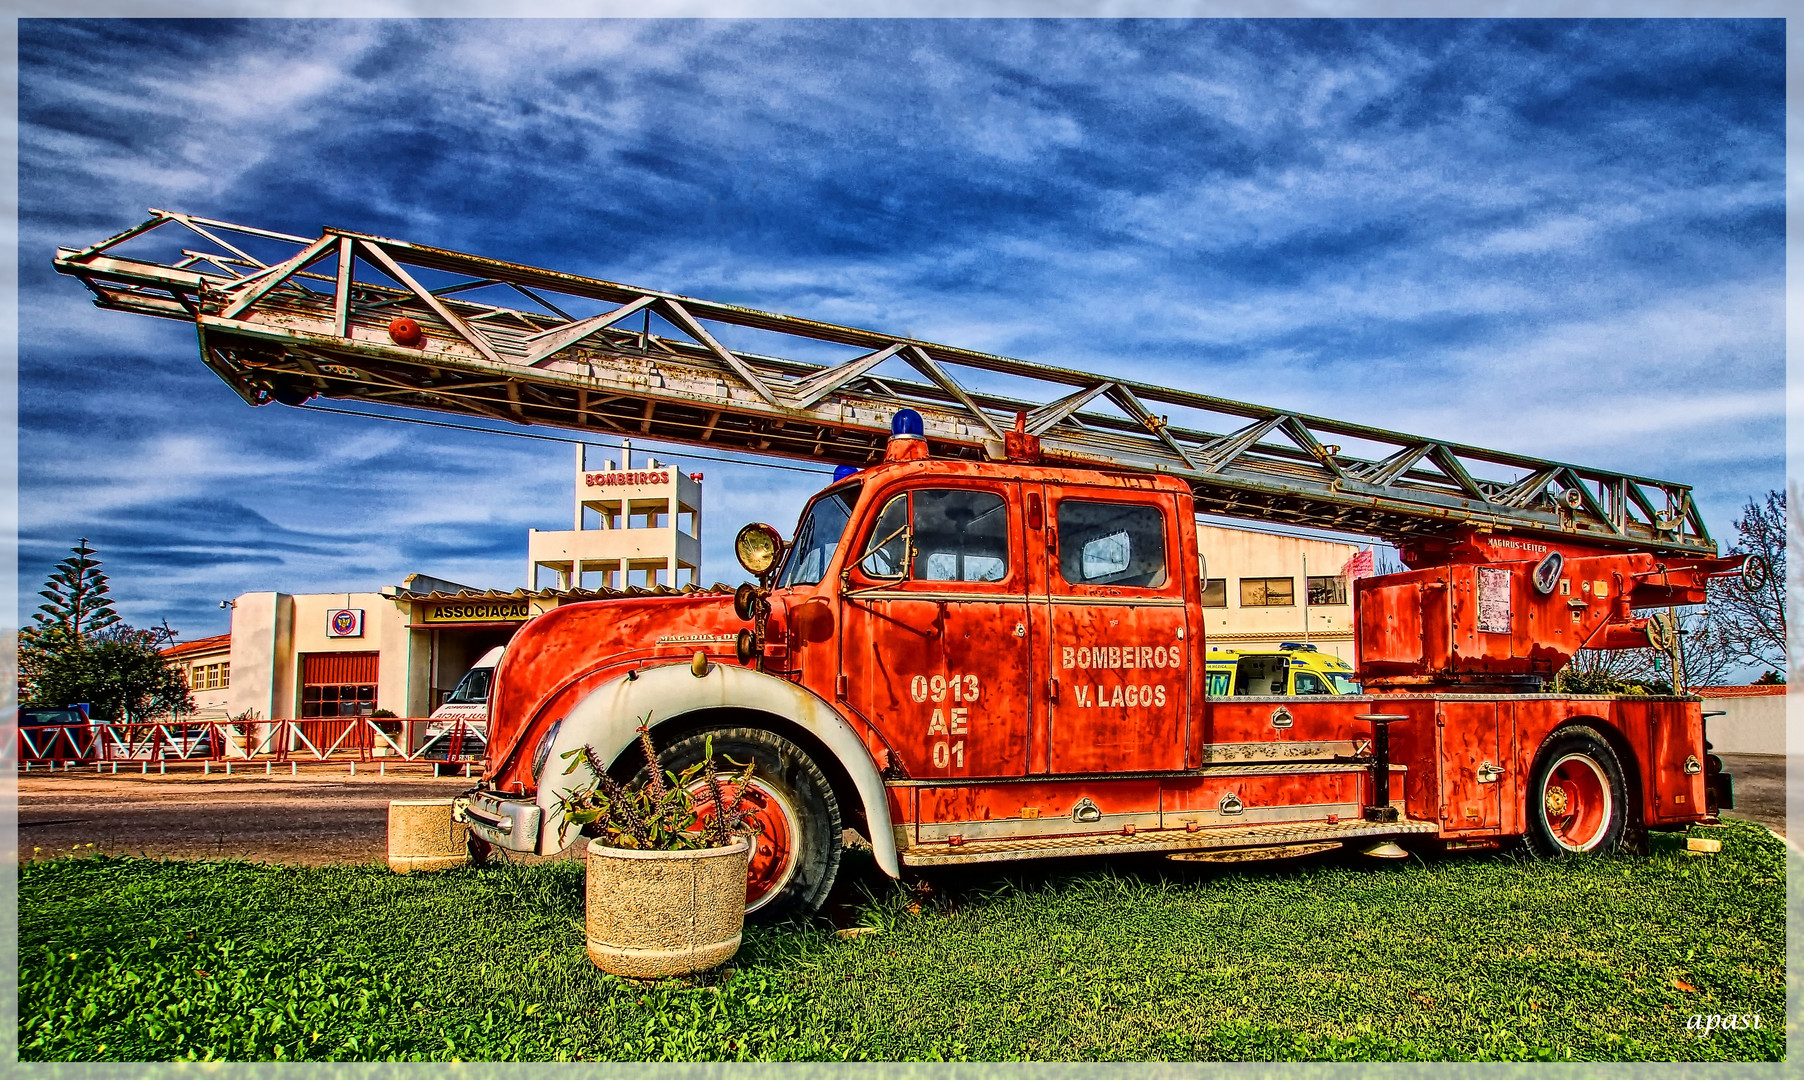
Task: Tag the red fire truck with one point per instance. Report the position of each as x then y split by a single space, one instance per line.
984 641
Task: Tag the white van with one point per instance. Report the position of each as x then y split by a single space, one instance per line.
466 710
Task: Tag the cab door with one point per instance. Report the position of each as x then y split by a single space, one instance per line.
935 647
1117 654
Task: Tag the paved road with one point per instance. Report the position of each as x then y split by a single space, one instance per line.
1759 788
323 815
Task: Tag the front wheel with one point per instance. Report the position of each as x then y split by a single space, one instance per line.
1577 800
796 856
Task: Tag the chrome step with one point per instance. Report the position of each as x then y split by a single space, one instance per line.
1157 841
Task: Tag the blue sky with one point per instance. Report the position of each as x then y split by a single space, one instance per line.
1562 238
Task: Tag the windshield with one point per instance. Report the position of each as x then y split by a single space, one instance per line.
1343 684
39 717
818 537
473 688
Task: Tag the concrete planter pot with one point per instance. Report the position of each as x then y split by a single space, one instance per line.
657 913
422 835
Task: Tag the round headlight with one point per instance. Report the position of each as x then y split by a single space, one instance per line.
758 546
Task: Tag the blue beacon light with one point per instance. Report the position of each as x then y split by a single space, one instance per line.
907 422
844 471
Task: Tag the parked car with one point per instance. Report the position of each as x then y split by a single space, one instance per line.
55 733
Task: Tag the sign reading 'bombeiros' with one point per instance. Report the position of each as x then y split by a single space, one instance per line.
617 477
345 622
467 611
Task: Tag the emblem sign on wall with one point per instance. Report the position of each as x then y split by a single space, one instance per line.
345 622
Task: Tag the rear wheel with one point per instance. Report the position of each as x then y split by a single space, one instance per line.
1577 800
796 856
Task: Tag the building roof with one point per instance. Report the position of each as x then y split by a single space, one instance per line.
198 645
426 583
495 595
1759 690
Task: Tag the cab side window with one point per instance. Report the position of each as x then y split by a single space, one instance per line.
1103 543
887 553
940 535
960 536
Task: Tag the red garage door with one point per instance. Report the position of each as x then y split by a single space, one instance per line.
338 684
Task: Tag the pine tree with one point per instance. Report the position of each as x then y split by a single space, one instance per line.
77 592
78 650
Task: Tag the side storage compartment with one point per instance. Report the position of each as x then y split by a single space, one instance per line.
1470 755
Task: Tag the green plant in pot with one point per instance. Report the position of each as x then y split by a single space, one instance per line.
666 862
389 725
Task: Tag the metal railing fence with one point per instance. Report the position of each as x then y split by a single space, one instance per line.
359 738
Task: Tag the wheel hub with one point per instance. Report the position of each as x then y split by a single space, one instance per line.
772 860
1577 802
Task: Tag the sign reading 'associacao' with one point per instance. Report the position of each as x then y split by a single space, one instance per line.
477 611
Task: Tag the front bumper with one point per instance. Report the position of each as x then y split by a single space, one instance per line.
511 824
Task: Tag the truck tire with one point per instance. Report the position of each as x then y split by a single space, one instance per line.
796 859
1577 798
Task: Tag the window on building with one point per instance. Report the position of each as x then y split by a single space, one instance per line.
341 700
1268 592
1111 544
1215 592
1327 590
338 684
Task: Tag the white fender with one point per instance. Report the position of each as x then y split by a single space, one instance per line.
608 721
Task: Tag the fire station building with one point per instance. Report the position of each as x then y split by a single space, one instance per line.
348 654
633 526
205 665
1263 589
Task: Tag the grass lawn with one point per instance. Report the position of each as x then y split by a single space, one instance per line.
1474 957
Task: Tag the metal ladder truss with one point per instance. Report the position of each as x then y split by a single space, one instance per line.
284 317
